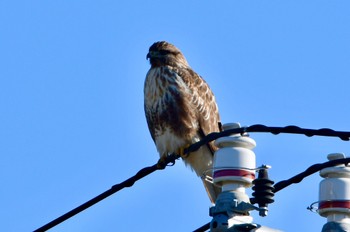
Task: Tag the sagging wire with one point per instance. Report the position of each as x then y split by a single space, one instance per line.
115 188
161 164
309 171
343 135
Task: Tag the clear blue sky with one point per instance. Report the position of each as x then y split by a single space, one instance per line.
71 104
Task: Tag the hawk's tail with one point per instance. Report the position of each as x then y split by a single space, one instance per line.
212 190
201 161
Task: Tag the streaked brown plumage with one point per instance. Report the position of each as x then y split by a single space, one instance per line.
180 108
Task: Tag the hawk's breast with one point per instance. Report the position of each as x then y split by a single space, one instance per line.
167 99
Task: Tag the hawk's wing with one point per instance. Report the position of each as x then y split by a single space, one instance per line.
207 115
150 118
203 100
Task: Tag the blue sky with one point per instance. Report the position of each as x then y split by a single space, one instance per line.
71 104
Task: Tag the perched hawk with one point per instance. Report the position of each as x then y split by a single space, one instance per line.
180 109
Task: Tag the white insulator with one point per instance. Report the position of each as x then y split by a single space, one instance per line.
234 162
334 194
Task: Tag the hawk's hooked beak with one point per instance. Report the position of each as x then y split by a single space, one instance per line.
152 54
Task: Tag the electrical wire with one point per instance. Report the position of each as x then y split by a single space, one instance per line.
343 135
309 171
161 164
115 188
203 228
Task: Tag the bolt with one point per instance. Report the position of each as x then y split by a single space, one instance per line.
263 211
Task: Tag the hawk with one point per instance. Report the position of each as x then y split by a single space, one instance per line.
180 109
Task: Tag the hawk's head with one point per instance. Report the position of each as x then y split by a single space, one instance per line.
163 53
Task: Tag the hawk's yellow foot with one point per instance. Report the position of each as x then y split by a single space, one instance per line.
181 151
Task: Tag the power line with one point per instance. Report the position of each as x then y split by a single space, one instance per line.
258 128
161 164
115 188
309 171
203 228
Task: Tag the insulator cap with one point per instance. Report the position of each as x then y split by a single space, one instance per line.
334 193
234 162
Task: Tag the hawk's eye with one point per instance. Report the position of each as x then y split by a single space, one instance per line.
164 52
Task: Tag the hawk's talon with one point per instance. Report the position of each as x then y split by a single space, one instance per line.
161 164
181 151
